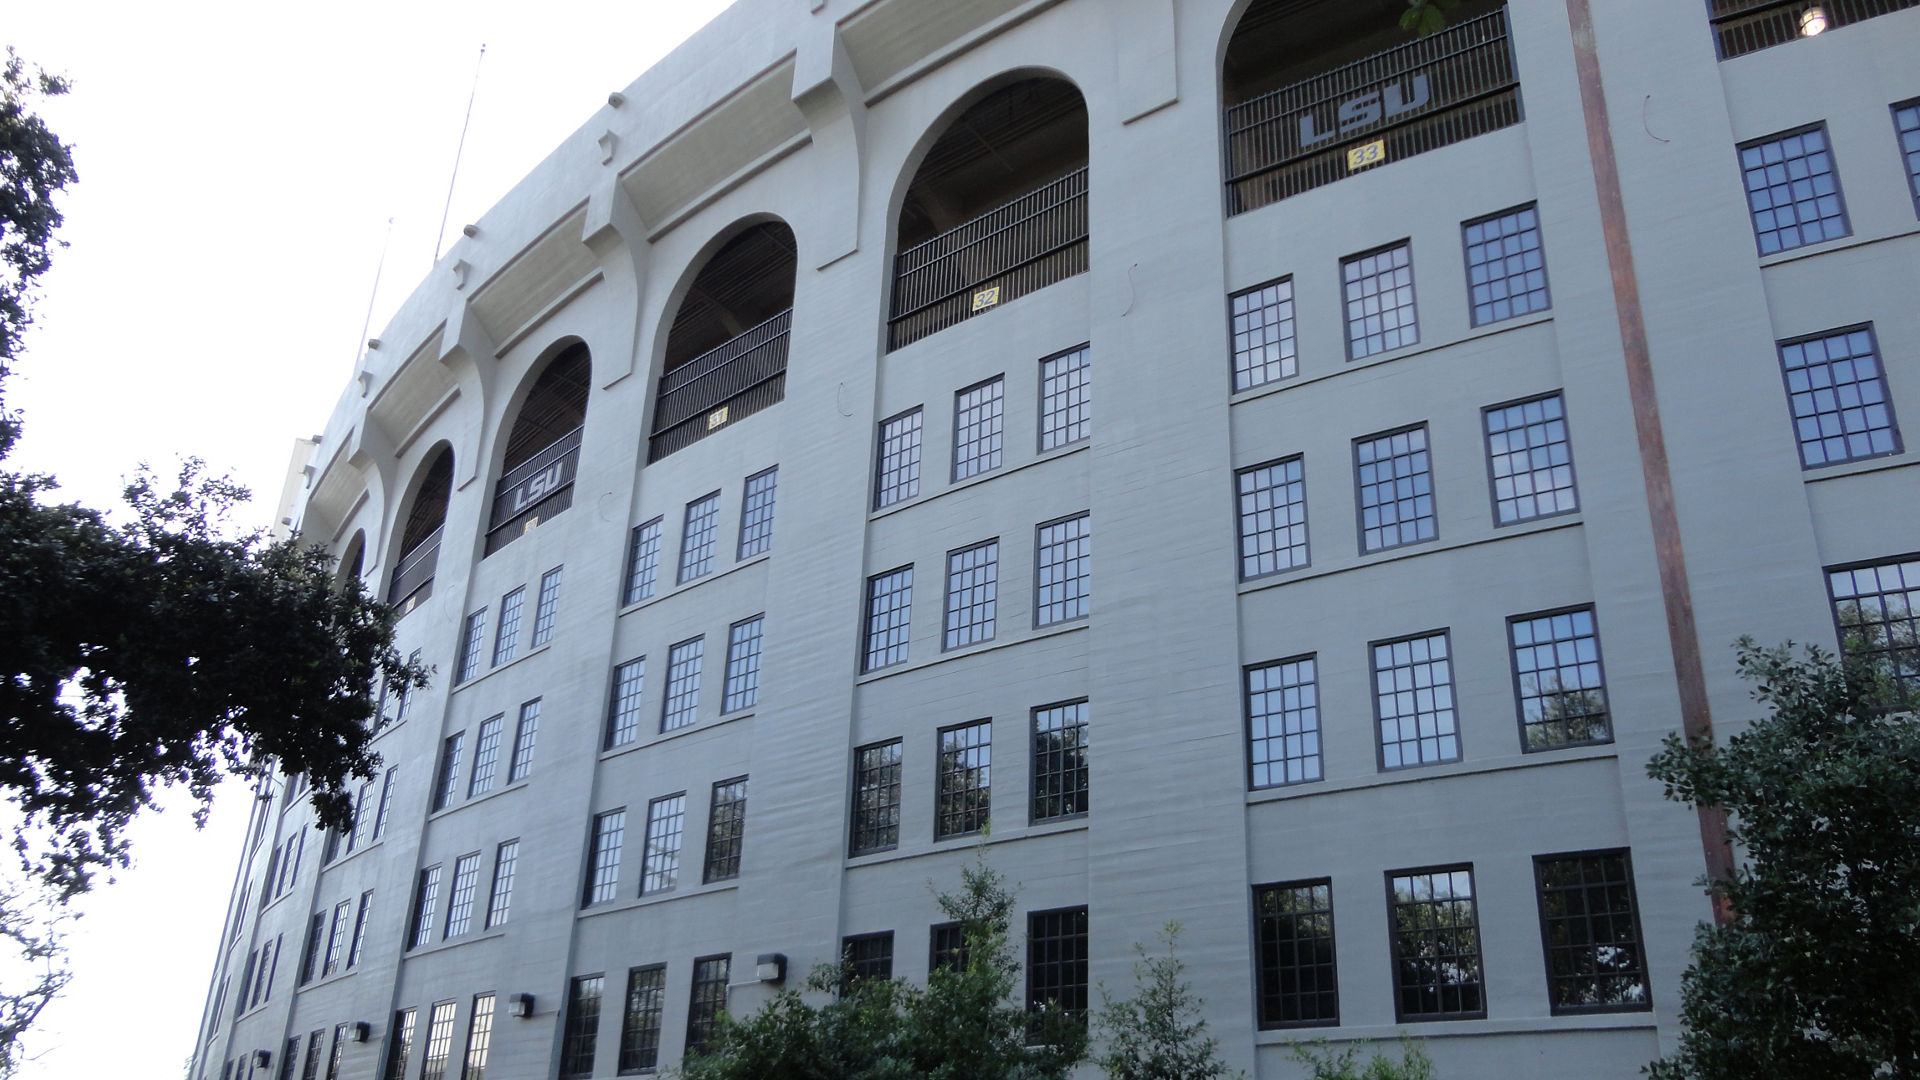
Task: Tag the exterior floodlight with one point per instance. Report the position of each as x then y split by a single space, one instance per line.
1813 21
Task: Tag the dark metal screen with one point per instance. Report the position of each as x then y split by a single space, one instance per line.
1744 26
539 488
413 574
721 386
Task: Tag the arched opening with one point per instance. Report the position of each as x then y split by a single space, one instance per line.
997 208
543 449
1317 90
419 549
726 352
353 563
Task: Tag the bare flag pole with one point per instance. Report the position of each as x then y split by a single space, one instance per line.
464 124
367 324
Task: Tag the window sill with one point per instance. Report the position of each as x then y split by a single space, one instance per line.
659 737
1009 835
971 650
1416 773
979 478
453 808
1413 551
355 853
444 944
678 892
694 584
1827 247
1859 466
492 671
1439 1029
325 980
1407 352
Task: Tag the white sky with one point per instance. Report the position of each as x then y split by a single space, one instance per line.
238 164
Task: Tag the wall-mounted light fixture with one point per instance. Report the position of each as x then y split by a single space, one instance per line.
616 99
362 1031
1813 21
521 1005
469 231
262 1058
770 967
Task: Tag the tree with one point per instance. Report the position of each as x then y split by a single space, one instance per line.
1818 971
1325 1064
1160 1033
34 166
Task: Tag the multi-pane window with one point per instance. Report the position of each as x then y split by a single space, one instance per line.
1057 960
339 1049
1530 460
603 866
1877 608
582 1027
405 704
726 827
486 756
479 1038
866 956
964 788
1413 700
1906 121
682 702
1283 723
1293 930
525 731
290 1058
897 473
1556 668
1062 569
1590 933
466 878
448 781
397 1047
1059 761
1435 933
1396 489
357 832
640 1024
743 665
973 582
439 1042
643 562
386 803
1378 289
472 634
1066 397
544 608
977 417
756 513
889 608
623 713
697 535
425 896
708 1001
1506 270
336 938
315 1041
1838 395
500 897
506 639
1273 517
876 798
1793 194
660 866
361 918
947 947
1263 344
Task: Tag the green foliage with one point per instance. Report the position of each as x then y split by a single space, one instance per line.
1160 1033
1818 971
1427 16
1325 1064
34 166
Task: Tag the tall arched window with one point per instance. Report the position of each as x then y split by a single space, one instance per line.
353 563
419 549
726 352
997 208
543 449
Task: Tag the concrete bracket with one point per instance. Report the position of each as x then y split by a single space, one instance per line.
827 91
1145 58
617 236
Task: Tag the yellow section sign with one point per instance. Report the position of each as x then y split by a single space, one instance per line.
986 298
716 417
1366 154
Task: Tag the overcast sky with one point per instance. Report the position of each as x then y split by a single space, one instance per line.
238 164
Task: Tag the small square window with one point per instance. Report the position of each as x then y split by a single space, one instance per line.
1378 289
1293 928
889 611
1273 517
696 538
1529 460
977 420
966 758
1413 701
897 475
1263 340
1837 392
1556 668
1394 473
973 582
1506 269
1065 398
682 704
1283 723
1876 608
1793 193
1590 933
866 956
756 513
1435 930
1062 568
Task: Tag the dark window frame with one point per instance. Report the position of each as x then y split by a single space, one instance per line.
1373 683
1083 793
1546 942
638 1038
991 604
1262 992
998 437
1546 284
979 808
856 827
1907 690
900 478
702 1013
1061 987
1359 503
872 601
1880 363
1240 517
708 533
1085 404
1039 546
1413 301
1233 349
1519 701
750 519
1246 712
1839 190
1910 165
1493 481
1400 1016
580 1030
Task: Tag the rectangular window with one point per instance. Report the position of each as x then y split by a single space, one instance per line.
726 828
479 1037
1793 193
1837 392
398 1045
966 759
1063 569
449 778
315 1041
1066 396
1506 270
1293 935
500 899
310 959
1906 121
1263 341
666 821
361 918
1529 460
866 956
1590 933
1395 478
889 610
472 634
1057 960
290 1058
1273 517
357 833
682 704
603 867
696 536
439 1041
486 756
947 947
425 896
386 803
583 1026
640 1026
643 562
1059 761
743 665
1283 723
506 639
897 476
466 880
973 581
1413 701
524 733
1556 670
1877 611
339 1049
545 607
876 798
336 938
1435 932
623 714
977 418
709 1000
407 692
1378 288
756 513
